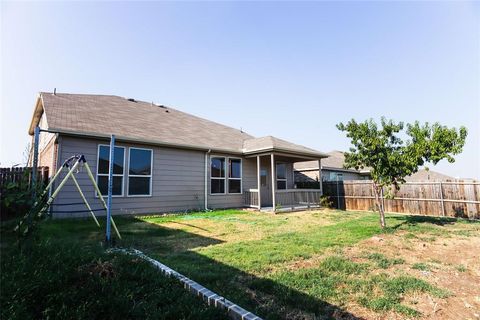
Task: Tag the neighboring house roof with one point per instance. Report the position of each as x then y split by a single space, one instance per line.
428 175
335 161
144 122
337 158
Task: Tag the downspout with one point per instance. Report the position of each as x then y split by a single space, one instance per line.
206 178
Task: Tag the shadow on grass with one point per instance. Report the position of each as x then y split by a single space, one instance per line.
262 296
415 220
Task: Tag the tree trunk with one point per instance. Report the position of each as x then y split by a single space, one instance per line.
378 200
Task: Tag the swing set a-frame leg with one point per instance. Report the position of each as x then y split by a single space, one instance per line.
90 175
84 199
60 186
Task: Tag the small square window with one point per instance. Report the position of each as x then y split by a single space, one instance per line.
234 186
218 186
116 185
139 186
281 184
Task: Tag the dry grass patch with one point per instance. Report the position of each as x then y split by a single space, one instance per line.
451 263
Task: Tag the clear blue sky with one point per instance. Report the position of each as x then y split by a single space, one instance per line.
291 70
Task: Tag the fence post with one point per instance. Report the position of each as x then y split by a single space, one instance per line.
441 198
338 195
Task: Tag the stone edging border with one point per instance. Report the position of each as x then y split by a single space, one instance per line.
234 311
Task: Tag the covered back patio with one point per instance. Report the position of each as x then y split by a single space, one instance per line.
275 186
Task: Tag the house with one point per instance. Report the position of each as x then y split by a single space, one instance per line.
428 175
331 170
165 160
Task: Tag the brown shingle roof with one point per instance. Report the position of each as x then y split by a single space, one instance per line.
335 160
103 115
273 143
428 175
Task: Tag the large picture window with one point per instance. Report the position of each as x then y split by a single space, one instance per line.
103 167
281 176
234 175
217 175
140 172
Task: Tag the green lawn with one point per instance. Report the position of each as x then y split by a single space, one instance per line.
288 265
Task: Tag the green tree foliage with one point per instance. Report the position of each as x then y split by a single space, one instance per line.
392 153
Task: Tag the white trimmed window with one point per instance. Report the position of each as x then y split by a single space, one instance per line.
103 167
140 172
234 175
281 176
217 175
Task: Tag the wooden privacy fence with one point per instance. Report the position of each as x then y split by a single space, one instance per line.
15 184
21 174
450 198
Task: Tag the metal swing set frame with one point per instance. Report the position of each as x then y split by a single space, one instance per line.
73 165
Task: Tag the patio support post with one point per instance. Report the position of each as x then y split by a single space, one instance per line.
259 184
205 185
272 160
320 176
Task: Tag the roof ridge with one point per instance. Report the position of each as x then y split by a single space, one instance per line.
81 94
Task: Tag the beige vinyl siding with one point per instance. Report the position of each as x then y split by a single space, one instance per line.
177 182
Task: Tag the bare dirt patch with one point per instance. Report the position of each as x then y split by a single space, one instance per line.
450 263
449 260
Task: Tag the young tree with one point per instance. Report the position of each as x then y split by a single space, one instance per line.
390 159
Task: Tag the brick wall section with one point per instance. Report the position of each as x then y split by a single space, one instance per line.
47 157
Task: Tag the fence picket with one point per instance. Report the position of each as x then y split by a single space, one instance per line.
17 175
448 198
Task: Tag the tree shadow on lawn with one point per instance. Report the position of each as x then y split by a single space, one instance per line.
412 220
262 296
